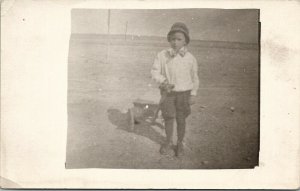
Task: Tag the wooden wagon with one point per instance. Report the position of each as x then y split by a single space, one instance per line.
143 110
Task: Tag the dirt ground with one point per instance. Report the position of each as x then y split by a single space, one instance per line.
222 131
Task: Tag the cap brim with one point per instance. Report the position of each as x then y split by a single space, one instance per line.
179 30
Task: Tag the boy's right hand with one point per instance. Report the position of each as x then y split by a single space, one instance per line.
164 83
165 86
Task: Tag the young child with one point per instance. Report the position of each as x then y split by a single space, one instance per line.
176 70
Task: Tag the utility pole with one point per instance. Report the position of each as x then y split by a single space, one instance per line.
108 36
126 30
108 22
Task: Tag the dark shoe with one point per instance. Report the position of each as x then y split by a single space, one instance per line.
180 150
166 149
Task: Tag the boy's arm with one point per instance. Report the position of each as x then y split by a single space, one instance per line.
156 72
195 77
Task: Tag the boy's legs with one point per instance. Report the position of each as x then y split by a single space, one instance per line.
182 111
180 121
168 112
169 126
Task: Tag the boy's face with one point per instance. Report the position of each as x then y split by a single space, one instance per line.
177 40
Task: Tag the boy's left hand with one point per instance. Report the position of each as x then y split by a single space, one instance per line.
192 100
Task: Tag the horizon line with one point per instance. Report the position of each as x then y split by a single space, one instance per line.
139 36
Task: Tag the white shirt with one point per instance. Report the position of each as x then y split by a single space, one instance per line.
179 69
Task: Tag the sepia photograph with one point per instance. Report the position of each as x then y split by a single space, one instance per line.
122 94
163 89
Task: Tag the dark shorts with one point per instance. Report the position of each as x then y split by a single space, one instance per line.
176 104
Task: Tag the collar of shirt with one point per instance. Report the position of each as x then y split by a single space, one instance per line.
181 52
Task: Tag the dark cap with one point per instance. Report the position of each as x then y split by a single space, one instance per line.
179 27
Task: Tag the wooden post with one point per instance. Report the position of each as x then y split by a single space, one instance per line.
126 30
108 22
108 36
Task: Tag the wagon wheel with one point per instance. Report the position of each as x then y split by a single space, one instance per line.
131 119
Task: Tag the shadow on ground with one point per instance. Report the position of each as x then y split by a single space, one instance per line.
142 127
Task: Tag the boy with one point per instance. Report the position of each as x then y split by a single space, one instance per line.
176 70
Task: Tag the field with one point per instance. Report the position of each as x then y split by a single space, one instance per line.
103 81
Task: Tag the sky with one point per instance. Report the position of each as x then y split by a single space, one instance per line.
237 25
